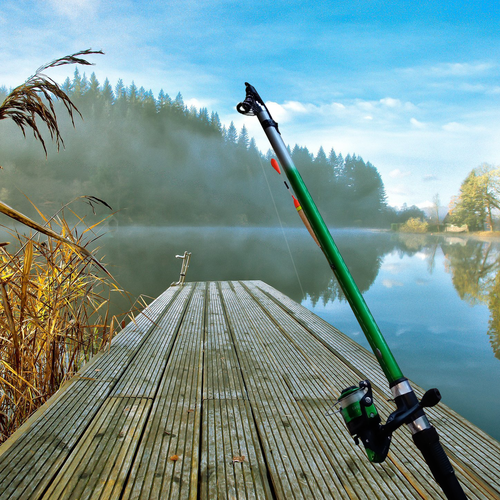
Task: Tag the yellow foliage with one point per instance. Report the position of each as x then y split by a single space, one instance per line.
54 316
414 225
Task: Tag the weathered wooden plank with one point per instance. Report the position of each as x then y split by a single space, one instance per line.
32 458
169 450
293 449
344 348
144 372
232 463
222 373
99 466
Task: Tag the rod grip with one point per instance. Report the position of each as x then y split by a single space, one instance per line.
427 441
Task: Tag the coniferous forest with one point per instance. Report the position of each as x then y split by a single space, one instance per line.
157 162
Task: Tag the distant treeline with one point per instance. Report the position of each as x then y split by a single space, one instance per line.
159 162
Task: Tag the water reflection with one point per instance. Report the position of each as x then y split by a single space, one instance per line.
435 298
475 269
143 261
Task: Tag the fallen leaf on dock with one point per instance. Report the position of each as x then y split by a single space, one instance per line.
239 459
174 458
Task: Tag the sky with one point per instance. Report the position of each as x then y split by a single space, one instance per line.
412 87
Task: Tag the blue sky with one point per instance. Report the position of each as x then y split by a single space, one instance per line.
414 89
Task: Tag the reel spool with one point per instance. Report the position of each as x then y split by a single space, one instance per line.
363 421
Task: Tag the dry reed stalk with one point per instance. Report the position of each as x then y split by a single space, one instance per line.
35 99
54 316
54 312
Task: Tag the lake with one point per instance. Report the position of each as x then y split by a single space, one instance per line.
435 297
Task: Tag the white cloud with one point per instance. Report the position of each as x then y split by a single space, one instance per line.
295 106
416 123
390 102
398 174
462 69
74 9
425 204
455 127
391 283
198 104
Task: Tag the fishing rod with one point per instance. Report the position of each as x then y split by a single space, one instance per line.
357 404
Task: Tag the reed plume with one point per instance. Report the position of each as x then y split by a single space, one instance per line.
35 99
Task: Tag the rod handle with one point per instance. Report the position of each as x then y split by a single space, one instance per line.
427 441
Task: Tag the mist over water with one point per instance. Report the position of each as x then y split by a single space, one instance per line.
434 297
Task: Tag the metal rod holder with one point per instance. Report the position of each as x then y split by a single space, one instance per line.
185 264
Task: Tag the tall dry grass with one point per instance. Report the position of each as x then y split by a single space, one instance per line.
54 295
54 316
34 99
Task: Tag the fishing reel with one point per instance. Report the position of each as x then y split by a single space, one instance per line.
364 423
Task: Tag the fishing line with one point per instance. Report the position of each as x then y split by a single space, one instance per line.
282 229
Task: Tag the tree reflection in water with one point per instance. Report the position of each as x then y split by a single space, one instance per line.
143 261
475 269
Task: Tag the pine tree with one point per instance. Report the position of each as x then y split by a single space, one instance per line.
107 92
243 139
66 86
215 122
252 147
232 134
120 91
203 116
178 104
76 85
132 94
84 84
94 85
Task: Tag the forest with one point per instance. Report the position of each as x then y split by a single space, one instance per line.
157 162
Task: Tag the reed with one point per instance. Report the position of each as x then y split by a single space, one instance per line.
35 99
54 316
54 306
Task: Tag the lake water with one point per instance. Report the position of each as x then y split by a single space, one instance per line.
435 298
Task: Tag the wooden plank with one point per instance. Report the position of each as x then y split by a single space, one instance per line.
232 463
30 461
222 372
295 461
481 486
99 466
169 450
143 375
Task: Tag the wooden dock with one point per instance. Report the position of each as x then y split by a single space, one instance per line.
220 390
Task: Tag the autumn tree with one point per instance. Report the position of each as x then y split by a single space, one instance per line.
479 196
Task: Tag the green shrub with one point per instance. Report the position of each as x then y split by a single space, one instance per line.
414 225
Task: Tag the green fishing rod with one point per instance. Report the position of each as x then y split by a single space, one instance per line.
357 405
